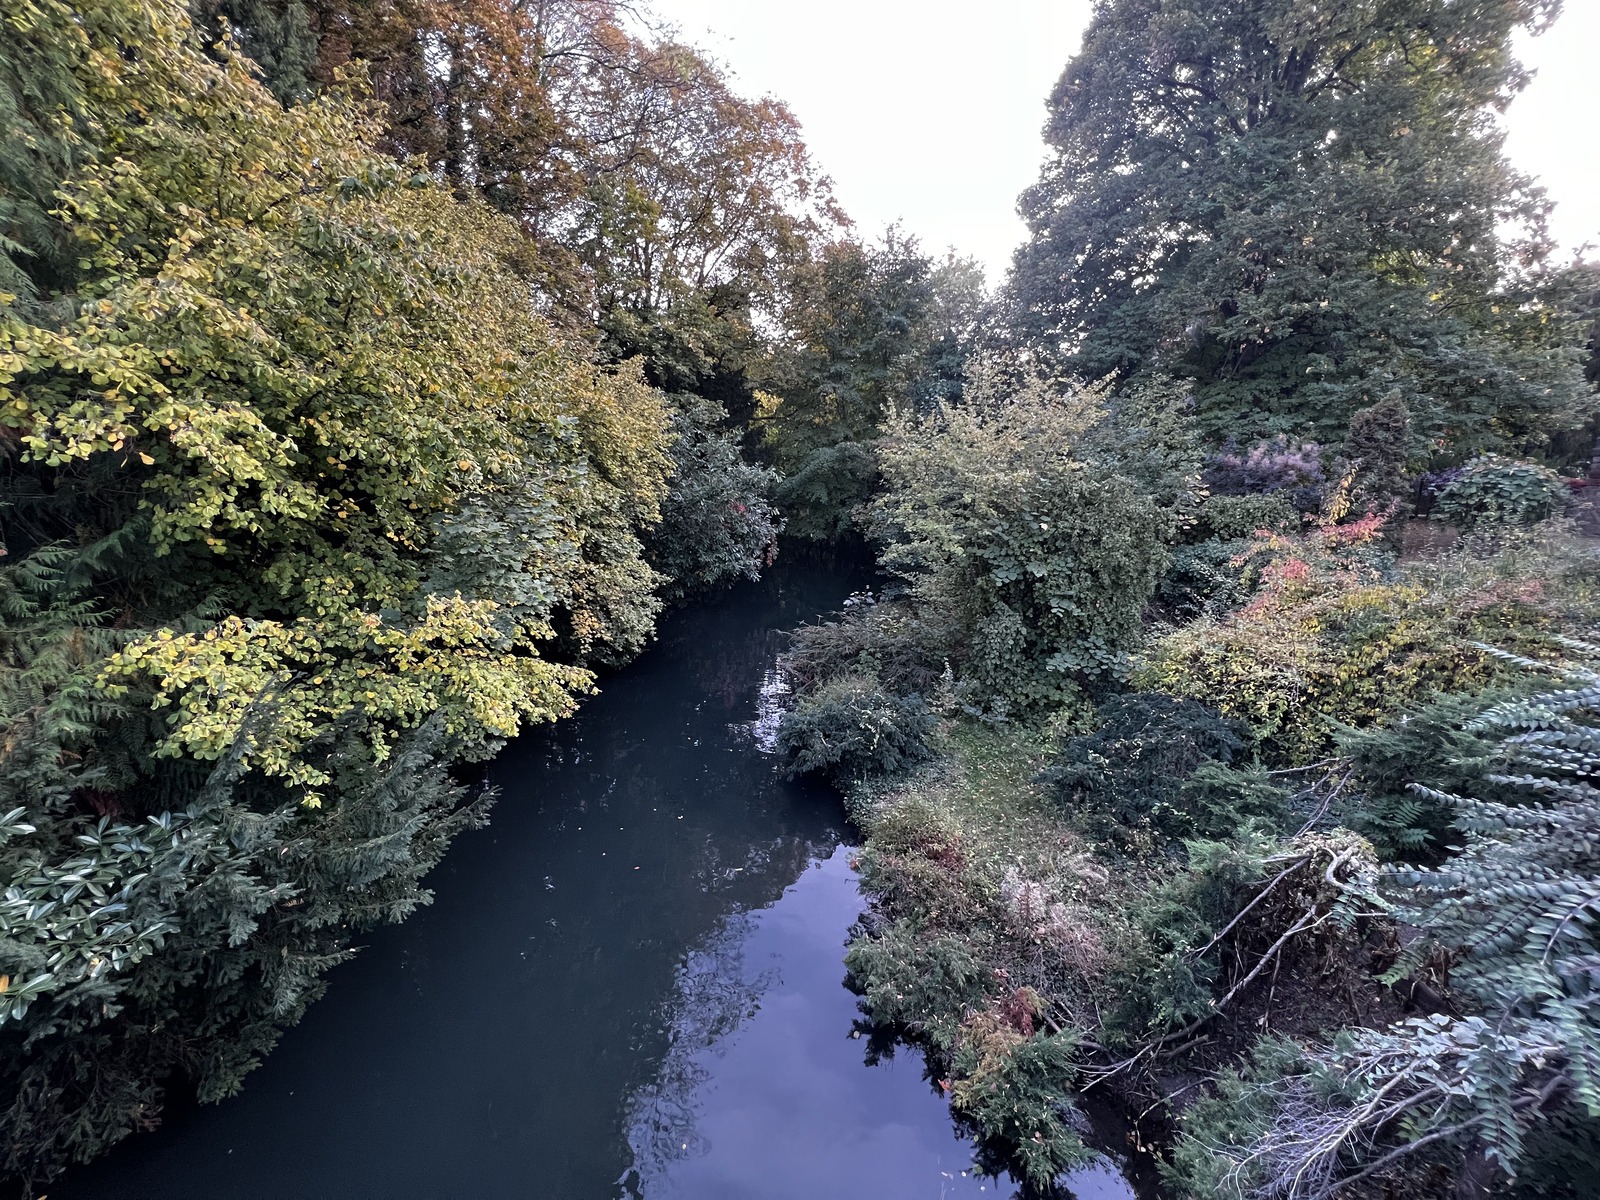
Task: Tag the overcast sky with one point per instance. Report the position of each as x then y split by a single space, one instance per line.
929 113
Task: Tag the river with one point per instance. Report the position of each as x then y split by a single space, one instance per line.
629 985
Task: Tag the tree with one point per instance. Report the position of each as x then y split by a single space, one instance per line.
1379 444
861 318
873 328
305 501
1305 209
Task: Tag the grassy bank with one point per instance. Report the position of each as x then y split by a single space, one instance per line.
1182 899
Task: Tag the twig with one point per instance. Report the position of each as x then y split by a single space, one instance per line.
1262 895
1308 919
1326 762
1326 800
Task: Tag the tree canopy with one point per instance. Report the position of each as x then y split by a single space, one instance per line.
1304 209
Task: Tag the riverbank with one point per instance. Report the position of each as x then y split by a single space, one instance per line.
1117 907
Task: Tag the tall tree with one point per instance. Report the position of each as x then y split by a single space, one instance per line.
302 500
870 328
1304 208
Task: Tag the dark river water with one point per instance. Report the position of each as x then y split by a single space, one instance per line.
629 985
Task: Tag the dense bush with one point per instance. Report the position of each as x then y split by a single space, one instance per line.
1044 556
1378 447
853 729
892 641
1491 490
1231 518
1434 744
1154 772
820 499
1162 983
1336 635
1209 578
1293 470
718 523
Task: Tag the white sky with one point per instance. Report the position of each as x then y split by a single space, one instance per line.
926 113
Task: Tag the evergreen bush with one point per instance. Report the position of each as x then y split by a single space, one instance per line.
1156 772
1494 491
852 729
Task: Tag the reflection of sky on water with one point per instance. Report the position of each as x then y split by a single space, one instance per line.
763 1094
623 958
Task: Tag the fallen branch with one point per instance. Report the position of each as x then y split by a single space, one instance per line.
1260 896
1309 919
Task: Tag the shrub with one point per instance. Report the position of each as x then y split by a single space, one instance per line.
1044 558
852 729
1209 578
1155 772
1336 635
1432 743
1378 445
1513 913
1234 517
1164 983
1491 490
900 645
1011 1079
1277 466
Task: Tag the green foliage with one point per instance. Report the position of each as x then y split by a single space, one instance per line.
999 515
1243 1106
873 328
1514 910
862 320
1166 982
1010 1089
820 499
303 502
1209 578
1491 491
889 641
1433 743
1236 518
1336 635
902 978
852 729
1301 208
1157 771
717 521
980 944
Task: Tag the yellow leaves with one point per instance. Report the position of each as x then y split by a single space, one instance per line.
313 672
311 454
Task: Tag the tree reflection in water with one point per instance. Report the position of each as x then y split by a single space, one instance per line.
713 996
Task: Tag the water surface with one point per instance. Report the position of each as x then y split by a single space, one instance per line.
630 985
